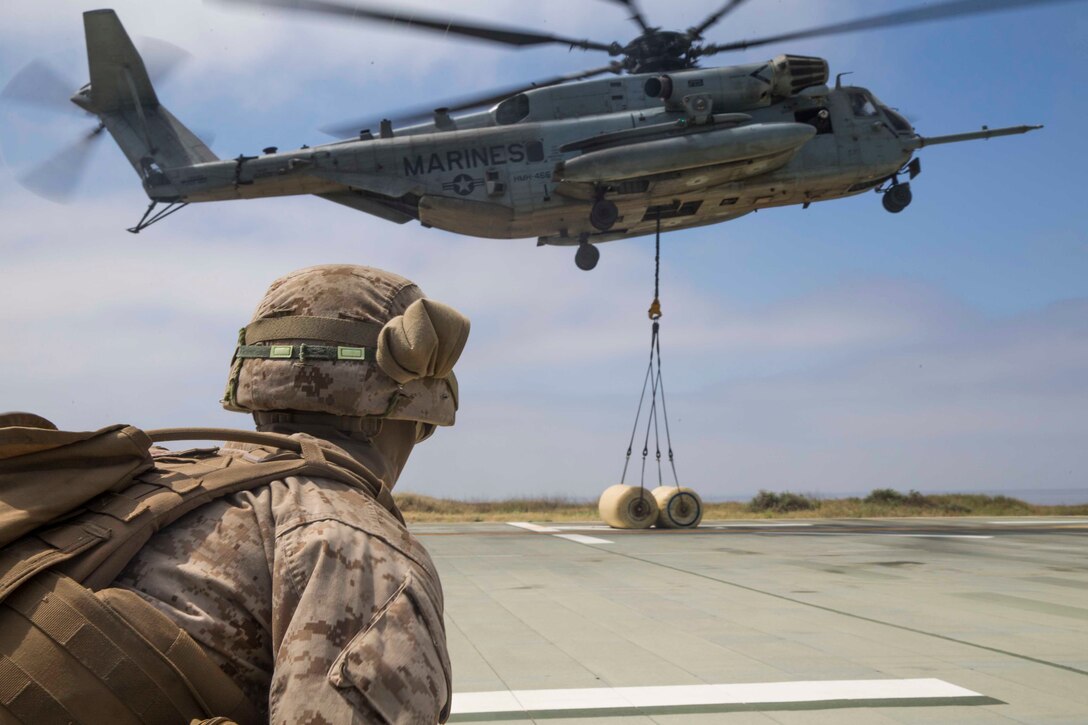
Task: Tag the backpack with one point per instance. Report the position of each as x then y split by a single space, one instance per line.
84 503
75 508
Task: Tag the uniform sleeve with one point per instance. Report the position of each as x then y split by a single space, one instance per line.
363 639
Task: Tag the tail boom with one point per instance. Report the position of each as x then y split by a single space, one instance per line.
122 95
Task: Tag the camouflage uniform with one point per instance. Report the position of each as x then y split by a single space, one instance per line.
311 596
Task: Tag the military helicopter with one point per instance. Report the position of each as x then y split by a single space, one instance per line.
663 145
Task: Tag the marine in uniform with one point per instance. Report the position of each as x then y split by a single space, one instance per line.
311 596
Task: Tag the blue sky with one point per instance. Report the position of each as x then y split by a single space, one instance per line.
830 350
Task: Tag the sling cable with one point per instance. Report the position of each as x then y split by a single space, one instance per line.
672 506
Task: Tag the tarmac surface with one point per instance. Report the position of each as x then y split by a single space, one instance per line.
978 620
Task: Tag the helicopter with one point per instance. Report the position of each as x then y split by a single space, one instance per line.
573 160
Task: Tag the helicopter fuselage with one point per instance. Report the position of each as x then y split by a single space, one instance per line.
534 165
569 161
572 164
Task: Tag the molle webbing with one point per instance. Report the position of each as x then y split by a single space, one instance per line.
67 655
328 329
305 352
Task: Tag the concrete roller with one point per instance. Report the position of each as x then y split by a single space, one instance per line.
627 507
679 507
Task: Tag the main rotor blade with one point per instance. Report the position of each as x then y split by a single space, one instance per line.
412 19
56 178
953 9
698 30
39 84
422 113
636 14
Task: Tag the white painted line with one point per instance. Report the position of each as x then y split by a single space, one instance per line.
582 539
941 536
585 528
608 698
777 524
532 527
1037 522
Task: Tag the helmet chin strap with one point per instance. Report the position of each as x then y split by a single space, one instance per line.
365 427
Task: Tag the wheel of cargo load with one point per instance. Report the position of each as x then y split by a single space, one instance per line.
678 507
587 256
604 214
627 507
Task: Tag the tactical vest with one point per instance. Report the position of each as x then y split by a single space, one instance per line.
75 508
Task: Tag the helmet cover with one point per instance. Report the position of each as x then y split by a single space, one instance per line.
348 340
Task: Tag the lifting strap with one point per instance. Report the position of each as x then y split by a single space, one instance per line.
655 382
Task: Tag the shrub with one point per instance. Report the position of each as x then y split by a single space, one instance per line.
782 502
763 501
887 496
917 499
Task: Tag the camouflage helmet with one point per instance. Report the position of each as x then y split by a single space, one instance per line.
349 341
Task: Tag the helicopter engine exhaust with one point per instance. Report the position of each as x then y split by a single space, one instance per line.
690 151
739 88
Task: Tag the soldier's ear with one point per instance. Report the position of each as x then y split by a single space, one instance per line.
425 342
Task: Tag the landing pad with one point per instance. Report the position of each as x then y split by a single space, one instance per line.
861 621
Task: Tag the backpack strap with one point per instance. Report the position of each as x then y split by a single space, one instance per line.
307 448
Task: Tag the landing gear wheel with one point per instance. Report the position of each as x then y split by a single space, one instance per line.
603 215
587 256
627 507
679 507
897 198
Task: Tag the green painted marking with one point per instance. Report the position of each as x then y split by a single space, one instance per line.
281 351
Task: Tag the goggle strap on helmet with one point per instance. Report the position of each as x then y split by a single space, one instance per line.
329 329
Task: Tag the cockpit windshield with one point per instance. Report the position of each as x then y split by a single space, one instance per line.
862 105
900 124
865 104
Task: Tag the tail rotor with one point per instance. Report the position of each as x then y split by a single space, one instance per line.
40 87
58 177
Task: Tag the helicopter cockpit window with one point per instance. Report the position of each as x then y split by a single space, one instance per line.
862 105
512 109
900 124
